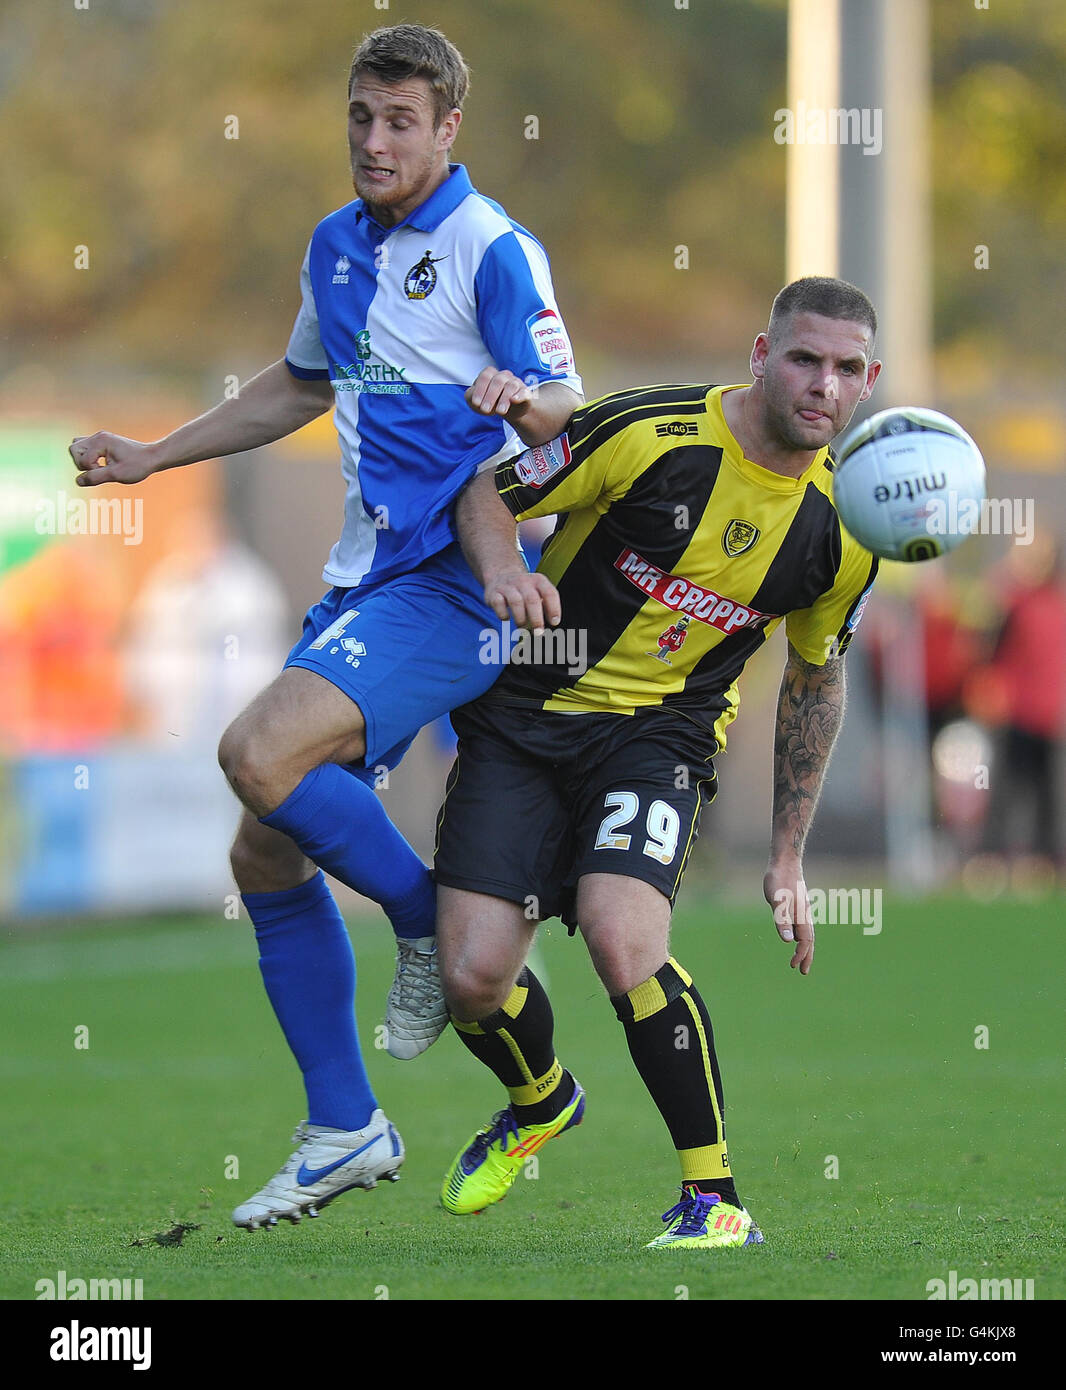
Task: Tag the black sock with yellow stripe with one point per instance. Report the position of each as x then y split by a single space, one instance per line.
670 1040
517 1043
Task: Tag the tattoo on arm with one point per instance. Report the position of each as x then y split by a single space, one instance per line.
809 714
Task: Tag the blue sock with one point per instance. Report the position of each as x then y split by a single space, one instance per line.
308 969
339 823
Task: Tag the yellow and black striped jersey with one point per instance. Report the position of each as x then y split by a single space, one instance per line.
676 557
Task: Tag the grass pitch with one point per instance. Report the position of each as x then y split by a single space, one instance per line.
949 1155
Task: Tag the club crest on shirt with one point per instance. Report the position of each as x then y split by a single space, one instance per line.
421 279
739 536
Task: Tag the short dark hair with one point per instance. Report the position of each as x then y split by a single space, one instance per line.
825 295
401 51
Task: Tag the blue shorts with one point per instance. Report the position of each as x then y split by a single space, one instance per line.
406 650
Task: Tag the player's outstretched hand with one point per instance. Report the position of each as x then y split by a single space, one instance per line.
496 391
786 892
109 458
532 600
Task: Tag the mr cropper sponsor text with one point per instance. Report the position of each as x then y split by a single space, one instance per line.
677 593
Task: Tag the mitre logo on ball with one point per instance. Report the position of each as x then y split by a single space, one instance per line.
895 476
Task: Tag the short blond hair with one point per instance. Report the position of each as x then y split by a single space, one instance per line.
402 51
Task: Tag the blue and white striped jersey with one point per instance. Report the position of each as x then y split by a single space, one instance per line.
401 321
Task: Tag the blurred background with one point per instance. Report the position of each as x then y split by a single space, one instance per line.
164 162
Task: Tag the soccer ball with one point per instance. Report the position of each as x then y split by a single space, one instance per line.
909 484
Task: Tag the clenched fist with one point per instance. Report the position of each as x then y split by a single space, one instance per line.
108 458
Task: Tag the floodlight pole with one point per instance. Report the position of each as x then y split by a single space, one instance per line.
858 207
812 191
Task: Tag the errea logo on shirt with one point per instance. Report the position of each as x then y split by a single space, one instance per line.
341 270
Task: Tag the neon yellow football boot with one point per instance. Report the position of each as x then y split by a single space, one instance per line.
702 1221
485 1169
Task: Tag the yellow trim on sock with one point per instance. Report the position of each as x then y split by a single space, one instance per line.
515 1001
461 1027
681 971
703 1164
539 1089
647 999
516 1053
706 1060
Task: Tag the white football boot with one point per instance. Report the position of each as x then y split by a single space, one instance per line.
415 1013
327 1163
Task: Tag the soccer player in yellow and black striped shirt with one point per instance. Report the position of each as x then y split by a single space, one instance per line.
692 521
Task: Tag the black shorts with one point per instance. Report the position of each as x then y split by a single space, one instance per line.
536 799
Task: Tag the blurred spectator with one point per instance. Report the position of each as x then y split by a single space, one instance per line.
951 649
209 629
59 620
1022 693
